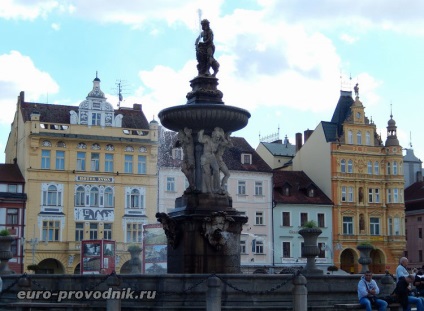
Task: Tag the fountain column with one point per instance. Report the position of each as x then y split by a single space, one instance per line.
203 231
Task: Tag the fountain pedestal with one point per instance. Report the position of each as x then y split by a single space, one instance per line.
203 235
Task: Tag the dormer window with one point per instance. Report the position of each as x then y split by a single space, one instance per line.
310 191
95 110
96 118
246 158
286 191
177 153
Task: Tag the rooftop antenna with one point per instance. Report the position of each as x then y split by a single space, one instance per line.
410 139
120 90
391 110
199 13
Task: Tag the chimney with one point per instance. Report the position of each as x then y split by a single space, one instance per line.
298 141
307 134
420 176
137 107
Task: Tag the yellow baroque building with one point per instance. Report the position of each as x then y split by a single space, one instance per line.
364 179
90 174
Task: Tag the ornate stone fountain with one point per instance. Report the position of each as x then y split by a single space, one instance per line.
203 231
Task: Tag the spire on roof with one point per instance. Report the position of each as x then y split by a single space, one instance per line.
392 139
96 91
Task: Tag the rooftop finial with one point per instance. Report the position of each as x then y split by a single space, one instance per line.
356 89
410 139
391 111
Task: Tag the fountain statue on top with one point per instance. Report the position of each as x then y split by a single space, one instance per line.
203 231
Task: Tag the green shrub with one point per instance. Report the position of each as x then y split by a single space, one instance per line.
4 232
310 224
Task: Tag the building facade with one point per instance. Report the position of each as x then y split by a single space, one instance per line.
277 154
12 211
298 200
250 186
364 178
414 206
90 174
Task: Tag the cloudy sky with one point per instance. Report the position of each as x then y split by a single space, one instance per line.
285 61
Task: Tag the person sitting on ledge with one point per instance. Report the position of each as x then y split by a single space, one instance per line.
419 283
367 292
403 291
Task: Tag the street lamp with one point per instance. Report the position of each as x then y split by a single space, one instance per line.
33 242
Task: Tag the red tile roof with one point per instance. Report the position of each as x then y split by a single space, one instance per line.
232 156
10 173
299 183
132 118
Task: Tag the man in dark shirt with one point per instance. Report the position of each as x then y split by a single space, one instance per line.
419 282
403 290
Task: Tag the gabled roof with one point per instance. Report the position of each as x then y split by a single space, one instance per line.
410 156
300 183
330 131
167 140
49 113
279 149
10 173
342 111
232 156
414 196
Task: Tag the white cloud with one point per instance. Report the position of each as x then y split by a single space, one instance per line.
30 10
20 74
348 38
262 65
55 26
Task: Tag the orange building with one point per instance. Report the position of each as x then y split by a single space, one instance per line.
364 179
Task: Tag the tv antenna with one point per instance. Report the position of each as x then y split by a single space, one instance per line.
199 13
121 90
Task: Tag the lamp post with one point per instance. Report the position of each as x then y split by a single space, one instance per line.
33 242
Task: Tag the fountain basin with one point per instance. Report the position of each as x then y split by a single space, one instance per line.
204 116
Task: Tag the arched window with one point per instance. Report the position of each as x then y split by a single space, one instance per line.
395 168
350 166
349 137
134 200
94 196
376 168
368 138
359 138
52 197
389 170
369 167
343 166
109 197
80 196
